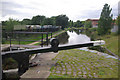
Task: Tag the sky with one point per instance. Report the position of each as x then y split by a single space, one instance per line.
74 9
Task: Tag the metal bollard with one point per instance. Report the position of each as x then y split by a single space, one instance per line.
54 44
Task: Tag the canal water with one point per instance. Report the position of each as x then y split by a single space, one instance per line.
73 37
76 37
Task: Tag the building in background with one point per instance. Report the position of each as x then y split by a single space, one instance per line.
94 22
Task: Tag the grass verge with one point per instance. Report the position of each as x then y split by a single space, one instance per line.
111 42
34 37
76 63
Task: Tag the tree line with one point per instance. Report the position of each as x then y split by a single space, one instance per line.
60 20
105 22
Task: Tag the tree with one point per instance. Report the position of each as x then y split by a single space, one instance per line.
9 25
105 21
83 23
88 24
38 20
71 23
26 21
48 21
62 20
78 23
54 20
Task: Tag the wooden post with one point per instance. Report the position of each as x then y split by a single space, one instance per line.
42 41
51 34
47 38
10 43
19 39
6 35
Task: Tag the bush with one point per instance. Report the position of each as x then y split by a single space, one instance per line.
3 41
9 63
93 35
115 33
93 29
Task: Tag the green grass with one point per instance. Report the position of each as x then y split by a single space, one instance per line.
111 42
76 63
23 37
53 35
35 37
17 42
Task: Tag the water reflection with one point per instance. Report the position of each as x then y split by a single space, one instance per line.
63 38
77 31
73 37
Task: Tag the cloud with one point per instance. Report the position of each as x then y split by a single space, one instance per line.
8 8
119 8
88 14
74 9
15 10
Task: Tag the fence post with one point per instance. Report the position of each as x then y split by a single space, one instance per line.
42 41
47 38
51 34
6 35
10 43
19 39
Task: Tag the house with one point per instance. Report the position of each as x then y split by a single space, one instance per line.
94 22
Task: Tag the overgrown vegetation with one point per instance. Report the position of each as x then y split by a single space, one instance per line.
9 63
111 42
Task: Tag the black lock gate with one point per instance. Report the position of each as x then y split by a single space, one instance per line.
23 60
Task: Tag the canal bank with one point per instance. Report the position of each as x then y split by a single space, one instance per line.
83 63
86 39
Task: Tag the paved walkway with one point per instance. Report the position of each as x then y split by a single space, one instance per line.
42 70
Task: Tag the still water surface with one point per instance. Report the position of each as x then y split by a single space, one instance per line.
72 37
75 37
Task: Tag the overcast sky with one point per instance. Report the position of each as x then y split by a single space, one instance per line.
74 9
